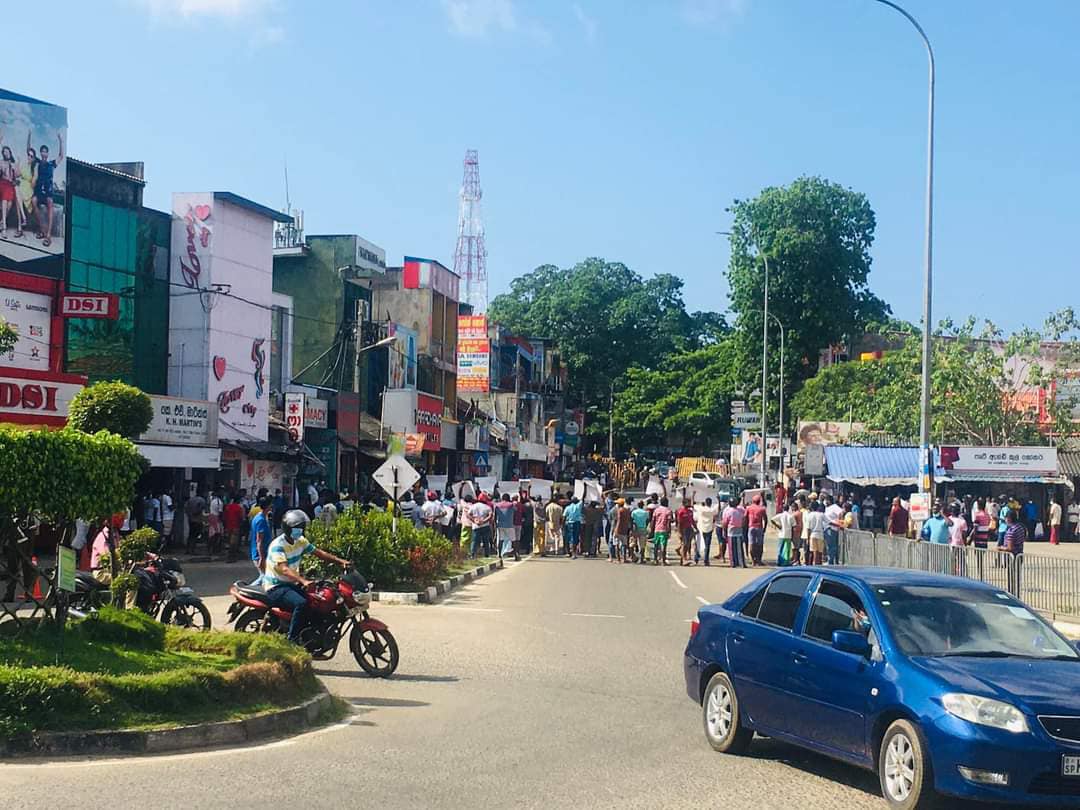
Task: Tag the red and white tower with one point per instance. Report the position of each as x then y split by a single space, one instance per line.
470 255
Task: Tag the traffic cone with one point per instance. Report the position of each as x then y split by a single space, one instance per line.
38 595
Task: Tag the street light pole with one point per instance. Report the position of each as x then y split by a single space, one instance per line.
783 342
765 379
611 424
925 480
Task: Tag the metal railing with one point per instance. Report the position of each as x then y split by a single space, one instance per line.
1047 583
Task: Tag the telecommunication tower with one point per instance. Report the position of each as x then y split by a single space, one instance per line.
470 255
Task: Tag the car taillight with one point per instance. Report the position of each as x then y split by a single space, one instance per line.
695 625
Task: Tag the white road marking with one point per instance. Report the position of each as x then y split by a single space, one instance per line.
678 581
596 615
472 609
703 600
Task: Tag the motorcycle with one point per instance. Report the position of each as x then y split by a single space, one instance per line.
332 609
164 594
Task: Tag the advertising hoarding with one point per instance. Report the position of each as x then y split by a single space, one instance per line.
1010 460
429 419
37 397
30 314
403 357
474 355
827 432
33 184
315 412
295 411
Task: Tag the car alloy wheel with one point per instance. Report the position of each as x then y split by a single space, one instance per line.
718 711
899 768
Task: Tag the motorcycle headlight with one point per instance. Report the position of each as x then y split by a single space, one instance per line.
985 712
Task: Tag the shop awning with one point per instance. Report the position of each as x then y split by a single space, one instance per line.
180 457
873 466
1069 463
997 478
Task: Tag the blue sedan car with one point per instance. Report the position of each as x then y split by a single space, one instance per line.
942 685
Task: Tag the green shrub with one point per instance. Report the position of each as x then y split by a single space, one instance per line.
130 628
29 695
412 556
133 549
113 406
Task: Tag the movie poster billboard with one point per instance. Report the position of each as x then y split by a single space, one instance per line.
33 182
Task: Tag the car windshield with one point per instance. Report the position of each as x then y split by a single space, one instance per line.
958 621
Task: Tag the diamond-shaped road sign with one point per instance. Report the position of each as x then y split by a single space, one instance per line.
396 476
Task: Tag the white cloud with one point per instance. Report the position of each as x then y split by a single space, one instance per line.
476 18
588 24
186 9
710 12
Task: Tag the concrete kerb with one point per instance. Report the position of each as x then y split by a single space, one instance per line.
441 588
281 723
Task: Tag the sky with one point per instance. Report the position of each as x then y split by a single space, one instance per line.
613 128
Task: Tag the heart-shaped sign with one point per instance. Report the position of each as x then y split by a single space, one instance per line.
219 366
202 212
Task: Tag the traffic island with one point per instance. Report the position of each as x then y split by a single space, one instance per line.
440 588
121 682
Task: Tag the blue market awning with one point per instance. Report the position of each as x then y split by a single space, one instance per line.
873 466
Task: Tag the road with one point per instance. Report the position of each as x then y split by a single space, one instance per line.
553 683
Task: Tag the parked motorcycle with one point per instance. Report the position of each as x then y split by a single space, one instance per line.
163 593
333 608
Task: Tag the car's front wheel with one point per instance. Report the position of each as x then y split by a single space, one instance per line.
904 769
720 711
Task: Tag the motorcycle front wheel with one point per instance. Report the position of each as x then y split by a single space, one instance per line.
375 650
189 615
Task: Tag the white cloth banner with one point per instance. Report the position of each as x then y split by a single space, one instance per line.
487 483
463 488
437 483
540 487
512 487
656 485
588 490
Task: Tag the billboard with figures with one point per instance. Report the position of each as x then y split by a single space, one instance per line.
33 183
474 355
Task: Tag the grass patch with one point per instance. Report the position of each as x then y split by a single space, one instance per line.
122 669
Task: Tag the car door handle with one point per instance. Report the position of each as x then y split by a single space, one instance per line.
800 658
738 638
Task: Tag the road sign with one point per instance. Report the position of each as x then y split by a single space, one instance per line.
748 421
738 405
396 476
572 428
65 570
90 305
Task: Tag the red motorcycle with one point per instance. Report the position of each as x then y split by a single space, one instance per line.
332 609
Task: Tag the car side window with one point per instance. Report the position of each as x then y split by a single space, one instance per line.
782 600
750 610
836 607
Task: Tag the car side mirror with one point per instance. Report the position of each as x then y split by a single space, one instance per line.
851 642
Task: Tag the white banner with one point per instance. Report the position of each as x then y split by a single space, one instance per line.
463 488
656 485
1016 460
540 487
487 483
437 483
190 422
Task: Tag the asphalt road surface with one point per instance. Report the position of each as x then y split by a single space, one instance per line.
553 683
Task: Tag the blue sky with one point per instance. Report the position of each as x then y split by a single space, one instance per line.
617 129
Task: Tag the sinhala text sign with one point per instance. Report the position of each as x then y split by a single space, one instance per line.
190 422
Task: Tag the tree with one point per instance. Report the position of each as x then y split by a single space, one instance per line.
817 237
8 337
604 317
987 388
113 406
689 397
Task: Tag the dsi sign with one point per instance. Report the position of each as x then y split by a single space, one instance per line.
37 397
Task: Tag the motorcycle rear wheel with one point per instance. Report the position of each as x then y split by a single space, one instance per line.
375 650
251 620
190 615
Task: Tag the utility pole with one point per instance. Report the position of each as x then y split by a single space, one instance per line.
765 377
611 424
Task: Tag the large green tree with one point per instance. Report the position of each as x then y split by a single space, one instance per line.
687 398
986 386
816 236
604 318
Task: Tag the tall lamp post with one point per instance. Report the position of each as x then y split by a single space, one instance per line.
764 365
925 480
611 424
783 340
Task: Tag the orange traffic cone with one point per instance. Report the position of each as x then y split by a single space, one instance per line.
37 579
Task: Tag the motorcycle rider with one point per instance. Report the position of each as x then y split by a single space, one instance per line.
281 580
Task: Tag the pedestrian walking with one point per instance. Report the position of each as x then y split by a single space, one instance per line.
214 523
834 522
1054 519
784 521
898 519
815 533
663 519
194 509
528 519
798 532
620 532
481 516
641 518
687 528
1015 537
232 518
756 517
465 522
591 518
554 523
505 512
572 520
705 520
734 525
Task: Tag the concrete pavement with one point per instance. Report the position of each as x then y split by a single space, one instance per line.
553 683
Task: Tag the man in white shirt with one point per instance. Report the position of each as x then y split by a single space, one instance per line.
1054 517
481 515
705 518
784 521
432 511
1074 520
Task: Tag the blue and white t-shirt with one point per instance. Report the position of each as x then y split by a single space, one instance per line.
283 550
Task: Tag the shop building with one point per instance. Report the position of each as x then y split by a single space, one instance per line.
221 310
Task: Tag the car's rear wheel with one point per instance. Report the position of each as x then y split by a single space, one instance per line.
904 769
720 712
